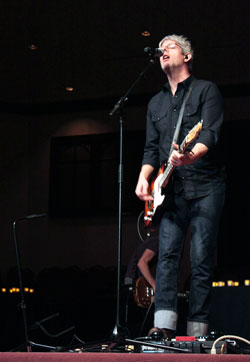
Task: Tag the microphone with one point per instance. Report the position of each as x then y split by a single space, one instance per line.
154 52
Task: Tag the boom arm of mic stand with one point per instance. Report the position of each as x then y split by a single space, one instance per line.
124 99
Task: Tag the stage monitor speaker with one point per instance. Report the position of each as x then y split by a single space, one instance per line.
230 311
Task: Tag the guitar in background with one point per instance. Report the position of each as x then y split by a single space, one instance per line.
144 293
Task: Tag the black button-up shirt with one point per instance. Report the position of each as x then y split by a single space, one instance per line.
205 103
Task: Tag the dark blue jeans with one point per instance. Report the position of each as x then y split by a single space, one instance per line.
202 215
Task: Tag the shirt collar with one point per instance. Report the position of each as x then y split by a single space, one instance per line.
186 83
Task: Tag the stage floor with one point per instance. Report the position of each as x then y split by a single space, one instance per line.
116 357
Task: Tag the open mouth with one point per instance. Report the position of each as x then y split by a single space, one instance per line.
165 57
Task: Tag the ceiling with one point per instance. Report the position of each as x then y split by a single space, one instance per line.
96 47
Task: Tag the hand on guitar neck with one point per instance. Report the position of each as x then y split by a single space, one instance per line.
187 158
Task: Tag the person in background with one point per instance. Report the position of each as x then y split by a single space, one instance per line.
140 281
143 262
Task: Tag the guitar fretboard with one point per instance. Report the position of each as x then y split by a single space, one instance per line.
170 168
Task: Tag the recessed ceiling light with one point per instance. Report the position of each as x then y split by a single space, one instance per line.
32 47
69 89
145 33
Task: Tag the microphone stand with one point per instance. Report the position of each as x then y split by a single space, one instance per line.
28 343
118 331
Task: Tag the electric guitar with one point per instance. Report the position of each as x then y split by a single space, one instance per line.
163 176
144 293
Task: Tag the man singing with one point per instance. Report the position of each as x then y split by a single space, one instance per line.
196 187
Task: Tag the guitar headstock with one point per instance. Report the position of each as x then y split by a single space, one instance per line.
193 134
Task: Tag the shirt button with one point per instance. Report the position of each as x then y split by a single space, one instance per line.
174 109
188 114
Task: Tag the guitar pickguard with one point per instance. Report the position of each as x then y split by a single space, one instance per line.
157 193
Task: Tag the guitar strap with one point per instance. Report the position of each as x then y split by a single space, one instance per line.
179 121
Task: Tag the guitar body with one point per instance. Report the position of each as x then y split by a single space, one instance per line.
156 191
144 293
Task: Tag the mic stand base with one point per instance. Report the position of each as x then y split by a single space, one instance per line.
29 344
118 334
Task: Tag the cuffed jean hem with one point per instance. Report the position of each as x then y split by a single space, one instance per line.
165 319
197 329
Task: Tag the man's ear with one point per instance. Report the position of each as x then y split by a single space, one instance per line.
187 57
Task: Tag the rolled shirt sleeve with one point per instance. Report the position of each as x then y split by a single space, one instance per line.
212 116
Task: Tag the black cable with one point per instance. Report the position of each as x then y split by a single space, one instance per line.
145 318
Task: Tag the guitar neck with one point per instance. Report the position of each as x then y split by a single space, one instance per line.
166 175
170 168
